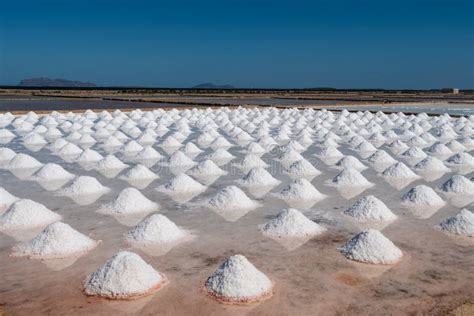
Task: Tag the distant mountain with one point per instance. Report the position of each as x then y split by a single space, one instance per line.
46 82
209 85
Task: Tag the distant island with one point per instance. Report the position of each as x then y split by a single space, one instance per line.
46 82
209 85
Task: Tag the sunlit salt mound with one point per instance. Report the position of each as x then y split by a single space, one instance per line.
89 155
250 161
381 157
258 177
350 162
232 198
431 164
23 161
83 185
461 159
57 240
371 246
6 154
156 229
458 184
300 189
399 171
365 147
369 208
26 214
181 184
69 149
206 168
349 177
179 159
460 224
291 223
34 139
51 172
422 195
6 199
110 162
148 153
4 133
138 173
125 276
129 201
237 281
302 169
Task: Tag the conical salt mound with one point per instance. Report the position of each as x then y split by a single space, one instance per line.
179 159
251 161
351 162
458 184
431 164
89 155
57 240
399 171
110 162
291 223
51 172
125 276
258 177
156 229
381 157
83 185
303 169
139 172
460 224
300 189
129 201
23 161
181 184
233 198
422 195
237 281
369 208
6 199
26 214
371 246
206 168
6 154
349 177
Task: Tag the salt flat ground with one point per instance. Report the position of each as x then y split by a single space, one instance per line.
435 275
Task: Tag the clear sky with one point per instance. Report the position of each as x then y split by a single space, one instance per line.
342 44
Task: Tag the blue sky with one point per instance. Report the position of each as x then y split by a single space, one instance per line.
343 44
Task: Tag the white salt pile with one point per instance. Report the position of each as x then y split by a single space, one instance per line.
148 153
349 177
350 162
460 224
125 276
371 246
89 155
6 154
179 159
57 240
27 214
156 229
288 157
83 185
237 281
431 164
399 171
461 159
69 150
300 189
458 184
23 161
33 139
302 169
258 177
6 199
220 156
291 223
131 147
206 168
381 157
129 201
110 162
250 161
231 198
422 195
137 173
181 184
51 172
370 208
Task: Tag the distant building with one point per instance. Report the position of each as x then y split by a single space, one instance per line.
455 90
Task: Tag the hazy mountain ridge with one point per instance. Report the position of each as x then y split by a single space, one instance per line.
210 85
47 82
